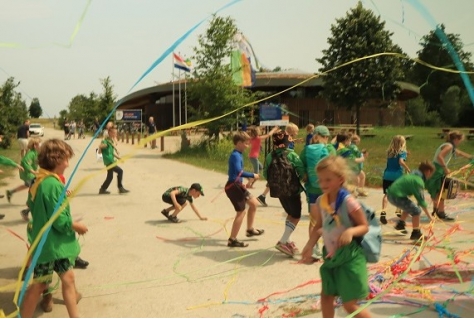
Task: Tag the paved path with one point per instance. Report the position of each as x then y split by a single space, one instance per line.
141 265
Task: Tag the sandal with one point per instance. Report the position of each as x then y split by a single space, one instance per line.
236 243
254 232
165 213
174 219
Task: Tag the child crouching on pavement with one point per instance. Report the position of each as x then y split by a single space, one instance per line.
178 197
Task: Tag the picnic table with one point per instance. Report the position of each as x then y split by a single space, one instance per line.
470 134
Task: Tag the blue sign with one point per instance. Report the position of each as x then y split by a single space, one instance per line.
272 114
128 115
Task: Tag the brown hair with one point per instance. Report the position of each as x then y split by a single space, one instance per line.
240 137
426 166
254 131
33 141
454 135
53 152
341 137
310 127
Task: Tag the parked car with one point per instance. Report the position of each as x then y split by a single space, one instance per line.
36 129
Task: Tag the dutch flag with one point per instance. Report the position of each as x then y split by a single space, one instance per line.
181 64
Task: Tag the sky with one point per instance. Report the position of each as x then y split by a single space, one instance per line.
58 49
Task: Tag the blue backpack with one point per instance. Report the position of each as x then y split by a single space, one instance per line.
371 242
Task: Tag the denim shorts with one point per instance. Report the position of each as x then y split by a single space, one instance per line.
405 204
257 166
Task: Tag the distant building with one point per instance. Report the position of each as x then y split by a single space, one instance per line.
304 102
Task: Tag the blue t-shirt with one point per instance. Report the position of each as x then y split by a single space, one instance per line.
308 138
291 145
236 168
394 170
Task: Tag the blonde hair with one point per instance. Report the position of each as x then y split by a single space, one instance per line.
398 144
309 127
292 129
33 141
454 135
53 152
254 131
240 136
338 166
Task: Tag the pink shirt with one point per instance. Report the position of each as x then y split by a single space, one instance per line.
255 143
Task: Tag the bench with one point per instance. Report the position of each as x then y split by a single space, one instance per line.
368 135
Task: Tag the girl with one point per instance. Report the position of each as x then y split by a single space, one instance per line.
344 271
255 144
443 155
360 157
396 157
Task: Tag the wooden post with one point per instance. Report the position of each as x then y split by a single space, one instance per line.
133 138
162 142
127 137
146 144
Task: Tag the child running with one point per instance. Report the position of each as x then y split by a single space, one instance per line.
352 155
396 157
292 202
344 271
238 195
360 156
442 157
109 153
61 246
255 145
310 133
178 197
30 167
411 185
7 162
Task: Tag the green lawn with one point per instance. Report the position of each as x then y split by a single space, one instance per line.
421 146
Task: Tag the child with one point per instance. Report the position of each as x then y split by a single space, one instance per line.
108 151
7 162
178 197
238 194
255 144
292 130
396 157
442 157
343 149
344 271
30 167
359 157
61 246
310 131
292 203
411 185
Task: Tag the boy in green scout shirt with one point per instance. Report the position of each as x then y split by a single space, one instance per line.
109 153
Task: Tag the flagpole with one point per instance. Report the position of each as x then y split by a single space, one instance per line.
185 101
172 80
179 96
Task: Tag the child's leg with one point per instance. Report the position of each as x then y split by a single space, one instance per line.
351 306
70 294
415 220
32 297
361 179
327 305
177 211
18 189
253 203
119 172
239 218
108 179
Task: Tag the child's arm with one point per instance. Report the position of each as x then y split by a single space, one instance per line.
79 228
173 199
272 131
441 155
464 154
197 213
402 163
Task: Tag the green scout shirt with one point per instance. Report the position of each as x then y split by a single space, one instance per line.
182 192
7 162
29 162
409 185
108 152
61 241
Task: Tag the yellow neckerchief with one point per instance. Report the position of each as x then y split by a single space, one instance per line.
326 206
42 174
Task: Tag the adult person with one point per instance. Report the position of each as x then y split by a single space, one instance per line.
66 129
152 130
22 135
96 125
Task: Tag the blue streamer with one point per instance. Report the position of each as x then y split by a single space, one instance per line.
444 39
178 42
39 248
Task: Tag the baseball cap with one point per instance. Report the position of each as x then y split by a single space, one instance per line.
322 130
197 187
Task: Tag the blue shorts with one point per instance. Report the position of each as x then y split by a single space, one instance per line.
405 204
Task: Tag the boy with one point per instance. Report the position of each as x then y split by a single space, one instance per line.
178 197
109 154
411 185
238 194
30 167
7 162
291 201
61 246
310 131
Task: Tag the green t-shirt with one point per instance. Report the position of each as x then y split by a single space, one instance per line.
29 162
183 192
108 152
409 185
7 162
61 241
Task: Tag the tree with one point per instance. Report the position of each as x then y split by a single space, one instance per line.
12 109
434 83
450 105
212 88
360 33
35 109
